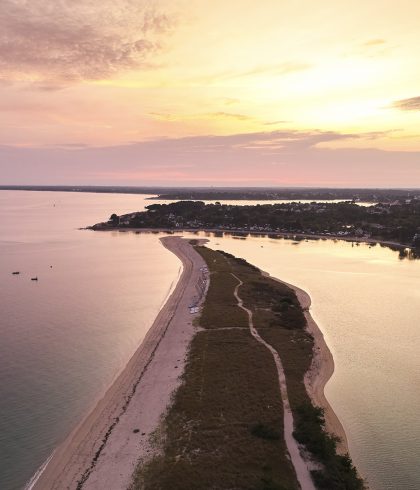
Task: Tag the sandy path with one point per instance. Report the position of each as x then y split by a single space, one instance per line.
102 452
300 465
321 370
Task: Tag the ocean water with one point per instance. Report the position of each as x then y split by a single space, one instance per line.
64 338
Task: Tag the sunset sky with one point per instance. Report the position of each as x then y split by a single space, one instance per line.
174 92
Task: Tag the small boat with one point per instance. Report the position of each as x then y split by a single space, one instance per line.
16 273
34 278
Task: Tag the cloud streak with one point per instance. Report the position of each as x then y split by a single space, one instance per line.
193 117
275 70
263 158
374 42
412 104
75 40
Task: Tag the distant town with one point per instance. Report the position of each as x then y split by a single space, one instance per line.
395 222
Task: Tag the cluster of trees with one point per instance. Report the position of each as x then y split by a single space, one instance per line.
337 471
391 222
261 193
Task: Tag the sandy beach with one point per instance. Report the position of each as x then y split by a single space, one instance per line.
321 370
103 450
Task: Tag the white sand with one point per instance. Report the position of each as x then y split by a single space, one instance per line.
136 400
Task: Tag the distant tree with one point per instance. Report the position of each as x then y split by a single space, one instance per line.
114 219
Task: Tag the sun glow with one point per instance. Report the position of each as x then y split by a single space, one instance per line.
194 69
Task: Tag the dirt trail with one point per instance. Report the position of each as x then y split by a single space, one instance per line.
299 464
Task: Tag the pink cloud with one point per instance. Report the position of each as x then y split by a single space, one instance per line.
70 40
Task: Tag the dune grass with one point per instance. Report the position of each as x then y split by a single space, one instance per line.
211 440
224 429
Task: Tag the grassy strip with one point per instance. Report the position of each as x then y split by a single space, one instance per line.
220 309
224 428
281 322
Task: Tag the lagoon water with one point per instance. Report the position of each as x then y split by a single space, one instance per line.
64 338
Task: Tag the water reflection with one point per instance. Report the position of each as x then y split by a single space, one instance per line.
408 253
402 252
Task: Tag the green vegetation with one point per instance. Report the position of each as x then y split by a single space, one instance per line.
224 429
220 308
229 386
280 322
340 473
398 221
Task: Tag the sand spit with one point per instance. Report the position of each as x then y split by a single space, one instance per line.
104 449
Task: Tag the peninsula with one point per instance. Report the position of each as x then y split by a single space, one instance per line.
226 391
247 413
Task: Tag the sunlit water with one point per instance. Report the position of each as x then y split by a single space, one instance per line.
64 338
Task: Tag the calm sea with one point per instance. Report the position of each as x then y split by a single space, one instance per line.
64 338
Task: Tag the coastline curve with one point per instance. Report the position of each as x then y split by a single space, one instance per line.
73 460
321 370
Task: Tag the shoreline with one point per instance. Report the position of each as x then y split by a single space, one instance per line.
273 234
321 370
75 459
322 366
103 448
